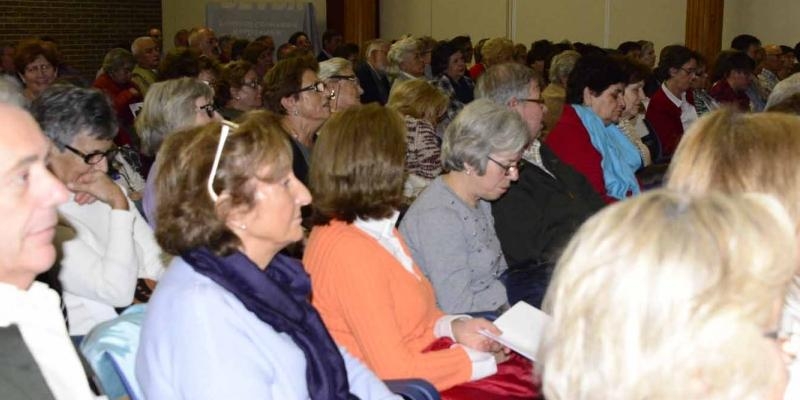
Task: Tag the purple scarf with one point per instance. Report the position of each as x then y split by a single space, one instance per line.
279 297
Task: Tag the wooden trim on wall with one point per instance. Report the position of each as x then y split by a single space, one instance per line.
704 27
356 20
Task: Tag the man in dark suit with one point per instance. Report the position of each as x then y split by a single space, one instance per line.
549 201
331 40
372 73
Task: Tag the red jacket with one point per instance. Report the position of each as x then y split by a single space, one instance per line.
724 93
121 98
570 140
665 118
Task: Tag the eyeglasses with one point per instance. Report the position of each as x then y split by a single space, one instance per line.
516 166
209 108
690 71
318 86
349 78
252 84
41 68
95 157
223 136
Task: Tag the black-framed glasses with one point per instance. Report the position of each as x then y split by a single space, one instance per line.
516 166
209 108
349 78
253 84
94 157
689 71
318 86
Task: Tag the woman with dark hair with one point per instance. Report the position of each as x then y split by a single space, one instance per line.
587 137
238 90
631 121
179 62
293 90
450 72
374 298
669 111
37 66
733 73
261 55
231 319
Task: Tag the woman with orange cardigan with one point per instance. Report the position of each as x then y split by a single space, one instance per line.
373 298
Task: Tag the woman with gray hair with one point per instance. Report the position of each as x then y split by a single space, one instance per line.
450 228
405 60
168 107
115 81
338 75
555 93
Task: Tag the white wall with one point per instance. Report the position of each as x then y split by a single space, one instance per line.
772 21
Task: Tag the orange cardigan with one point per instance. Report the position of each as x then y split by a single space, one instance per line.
376 309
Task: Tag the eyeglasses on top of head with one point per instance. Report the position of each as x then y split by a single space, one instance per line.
516 166
209 108
94 157
223 137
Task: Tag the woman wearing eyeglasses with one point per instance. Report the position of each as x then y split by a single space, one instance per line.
293 90
237 90
170 106
586 136
231 319
449 228
338 75
106 243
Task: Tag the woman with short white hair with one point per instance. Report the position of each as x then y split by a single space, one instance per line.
338 75
405 60
671 296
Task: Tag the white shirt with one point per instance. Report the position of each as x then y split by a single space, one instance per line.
104 252
383 230
37 312
688 112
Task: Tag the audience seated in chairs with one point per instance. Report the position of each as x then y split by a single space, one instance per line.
373 297
539 213
711 158
449 228
671 296
231 317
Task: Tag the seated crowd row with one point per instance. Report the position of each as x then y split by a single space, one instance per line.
500 190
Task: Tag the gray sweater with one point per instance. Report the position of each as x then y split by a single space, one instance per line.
456 247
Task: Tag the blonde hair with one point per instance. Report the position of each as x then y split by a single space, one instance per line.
667 296
497 51
733 152
419 99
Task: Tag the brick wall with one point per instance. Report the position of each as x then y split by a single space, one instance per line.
85 29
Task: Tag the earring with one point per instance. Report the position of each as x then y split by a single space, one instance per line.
243 227
238 98
296 113
469 172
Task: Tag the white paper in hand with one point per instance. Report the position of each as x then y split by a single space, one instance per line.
523 326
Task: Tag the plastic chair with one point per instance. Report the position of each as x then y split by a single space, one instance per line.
413 389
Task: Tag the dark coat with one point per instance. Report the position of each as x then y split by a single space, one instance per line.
375 84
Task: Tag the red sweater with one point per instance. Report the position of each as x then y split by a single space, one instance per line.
570 140
665 118
724 93
121 98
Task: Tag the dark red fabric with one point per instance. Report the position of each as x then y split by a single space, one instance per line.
515 380
121 98
665 118
476 71
724 93
570 140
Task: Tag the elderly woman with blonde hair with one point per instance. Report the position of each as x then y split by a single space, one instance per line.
712 157
405 60
421 105
671 296
338 75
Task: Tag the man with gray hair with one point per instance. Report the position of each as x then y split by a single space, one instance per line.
39 360
372 73
541 211
147 54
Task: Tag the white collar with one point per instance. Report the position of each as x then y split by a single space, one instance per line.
671 97
378 228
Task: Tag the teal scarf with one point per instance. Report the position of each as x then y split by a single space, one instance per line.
620 159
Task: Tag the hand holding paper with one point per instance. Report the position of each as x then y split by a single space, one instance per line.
468 332
522 328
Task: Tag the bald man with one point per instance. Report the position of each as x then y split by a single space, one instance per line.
205 41
772 64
